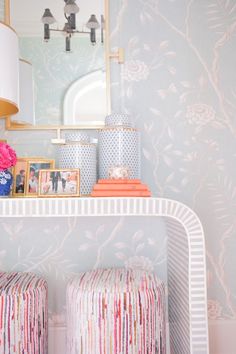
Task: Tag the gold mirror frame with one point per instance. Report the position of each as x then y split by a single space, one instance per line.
119 55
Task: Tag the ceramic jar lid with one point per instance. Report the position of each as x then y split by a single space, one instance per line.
118 119
77 137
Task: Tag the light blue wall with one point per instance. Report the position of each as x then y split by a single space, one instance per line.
179 84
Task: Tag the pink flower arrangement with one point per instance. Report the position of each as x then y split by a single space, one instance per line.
7 156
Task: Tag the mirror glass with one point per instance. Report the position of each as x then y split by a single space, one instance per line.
67 57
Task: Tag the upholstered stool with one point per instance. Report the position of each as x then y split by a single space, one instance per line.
23 314
116 311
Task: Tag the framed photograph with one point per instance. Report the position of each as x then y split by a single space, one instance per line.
19 177
32 176
59 183
20 171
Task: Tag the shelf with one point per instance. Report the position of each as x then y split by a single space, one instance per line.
59 207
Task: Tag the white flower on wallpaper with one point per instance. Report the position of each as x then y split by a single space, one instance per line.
139 262
214 310
57 319
200 114
135 70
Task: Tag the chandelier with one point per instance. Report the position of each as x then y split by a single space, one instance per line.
70 11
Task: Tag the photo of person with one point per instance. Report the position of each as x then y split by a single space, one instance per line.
58 183
33 180
20 182
34 168
19 177
55 177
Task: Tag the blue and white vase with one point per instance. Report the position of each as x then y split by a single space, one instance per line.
6 180
119 146
79 152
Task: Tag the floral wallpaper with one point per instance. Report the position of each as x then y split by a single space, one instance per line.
179 84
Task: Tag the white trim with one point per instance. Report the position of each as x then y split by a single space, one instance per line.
184 228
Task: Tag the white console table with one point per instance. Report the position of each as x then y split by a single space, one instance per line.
187 299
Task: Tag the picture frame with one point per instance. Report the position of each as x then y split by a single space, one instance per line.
19 177
55 183
34 166
21 164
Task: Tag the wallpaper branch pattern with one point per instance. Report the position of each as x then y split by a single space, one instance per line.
179 84
189 117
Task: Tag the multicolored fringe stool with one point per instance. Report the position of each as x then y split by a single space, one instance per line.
116 311
23 314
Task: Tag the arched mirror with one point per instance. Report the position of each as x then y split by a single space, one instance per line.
65 43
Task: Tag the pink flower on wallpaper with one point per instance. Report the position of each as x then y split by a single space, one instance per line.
214 310
141 262
135 70
57 319
7 157
200 114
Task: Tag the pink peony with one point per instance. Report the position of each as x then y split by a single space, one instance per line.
7 157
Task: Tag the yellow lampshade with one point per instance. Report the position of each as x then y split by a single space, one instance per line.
9 71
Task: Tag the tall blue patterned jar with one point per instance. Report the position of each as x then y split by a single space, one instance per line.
78 152
119 145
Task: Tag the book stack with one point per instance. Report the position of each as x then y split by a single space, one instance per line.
120 188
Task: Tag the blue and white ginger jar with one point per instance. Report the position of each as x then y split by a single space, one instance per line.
6 180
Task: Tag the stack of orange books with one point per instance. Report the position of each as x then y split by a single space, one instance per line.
120 188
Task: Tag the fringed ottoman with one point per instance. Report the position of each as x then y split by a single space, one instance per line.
116 311
23 314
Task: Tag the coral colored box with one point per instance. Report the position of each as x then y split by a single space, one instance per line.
121 187
121 194
119 181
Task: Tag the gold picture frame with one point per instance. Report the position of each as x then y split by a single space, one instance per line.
32 176
19 180
19 177
54 183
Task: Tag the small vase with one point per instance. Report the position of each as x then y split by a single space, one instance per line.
6 180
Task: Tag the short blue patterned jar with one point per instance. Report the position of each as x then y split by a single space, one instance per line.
6 180
79 152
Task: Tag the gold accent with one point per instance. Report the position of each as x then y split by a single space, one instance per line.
83 143
7 107
59 195
25 61
22 160
11 28
18 126
119 127
7 12
119 55
31 161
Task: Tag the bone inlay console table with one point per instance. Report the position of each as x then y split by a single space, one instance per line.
187 299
